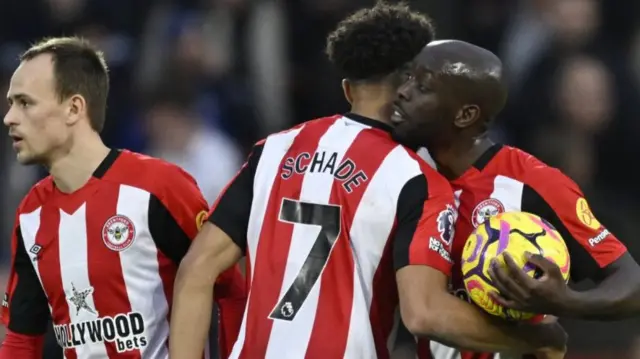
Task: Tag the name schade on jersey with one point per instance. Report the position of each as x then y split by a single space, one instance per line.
325 162
125 330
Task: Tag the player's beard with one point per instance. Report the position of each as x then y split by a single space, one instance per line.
415 135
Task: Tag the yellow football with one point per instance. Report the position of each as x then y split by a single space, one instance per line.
515 233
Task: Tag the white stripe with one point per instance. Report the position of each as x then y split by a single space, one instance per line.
75 274
141 274
456 198
29 225
292 338
372 224
509 192
441 351
274 149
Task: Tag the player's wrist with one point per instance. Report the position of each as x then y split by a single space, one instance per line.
572 304
548 337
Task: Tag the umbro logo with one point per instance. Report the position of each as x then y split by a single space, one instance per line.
35 250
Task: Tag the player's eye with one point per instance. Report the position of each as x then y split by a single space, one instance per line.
23 103
407 76
423 89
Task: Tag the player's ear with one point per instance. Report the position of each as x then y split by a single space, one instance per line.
467 116
77 107
346 89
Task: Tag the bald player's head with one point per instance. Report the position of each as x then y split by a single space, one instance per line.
453 89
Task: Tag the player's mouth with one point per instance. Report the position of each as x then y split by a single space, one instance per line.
17 140
398 116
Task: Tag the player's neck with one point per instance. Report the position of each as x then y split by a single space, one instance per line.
378 113
74 168
457 158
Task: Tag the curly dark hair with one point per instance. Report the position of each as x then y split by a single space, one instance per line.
374 42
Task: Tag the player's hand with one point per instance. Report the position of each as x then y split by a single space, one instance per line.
545 295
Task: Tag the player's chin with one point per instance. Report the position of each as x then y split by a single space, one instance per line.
26 157
405 134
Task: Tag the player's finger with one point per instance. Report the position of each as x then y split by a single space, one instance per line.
505 284
516 273
543 263
507 303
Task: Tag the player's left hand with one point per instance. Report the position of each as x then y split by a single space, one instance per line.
519 291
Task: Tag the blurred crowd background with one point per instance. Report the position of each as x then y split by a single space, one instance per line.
198 81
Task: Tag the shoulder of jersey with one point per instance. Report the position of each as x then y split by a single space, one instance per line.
36 195
526 166
130 168
435 180
152 171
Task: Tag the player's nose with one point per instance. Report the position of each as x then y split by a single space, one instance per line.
404 91
10 118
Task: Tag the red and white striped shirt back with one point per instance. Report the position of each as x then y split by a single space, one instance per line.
319 240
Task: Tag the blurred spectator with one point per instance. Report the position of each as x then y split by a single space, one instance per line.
581 108
178 135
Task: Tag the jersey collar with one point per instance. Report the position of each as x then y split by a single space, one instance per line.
487 156
368 121
106 163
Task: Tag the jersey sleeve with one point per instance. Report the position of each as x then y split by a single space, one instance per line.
25 310
556 198
176 212
425 226
231 210
175 217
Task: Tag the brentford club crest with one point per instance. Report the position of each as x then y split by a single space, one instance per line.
118 233
486 209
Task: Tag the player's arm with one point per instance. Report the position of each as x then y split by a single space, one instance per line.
176 213
25 311
218 246
423 265
595 252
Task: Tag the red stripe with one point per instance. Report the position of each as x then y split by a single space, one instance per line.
167 270
424 351
105 270
335 301
470 355
273 247
384 300
49 268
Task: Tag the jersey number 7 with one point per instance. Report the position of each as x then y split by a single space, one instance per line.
328 217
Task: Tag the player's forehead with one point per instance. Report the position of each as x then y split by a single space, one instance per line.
34 77
438 61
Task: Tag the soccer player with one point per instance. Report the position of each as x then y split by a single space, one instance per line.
334 207
96 245
454 90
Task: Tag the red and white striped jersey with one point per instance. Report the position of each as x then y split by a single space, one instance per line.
324 212
508 179
101 261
